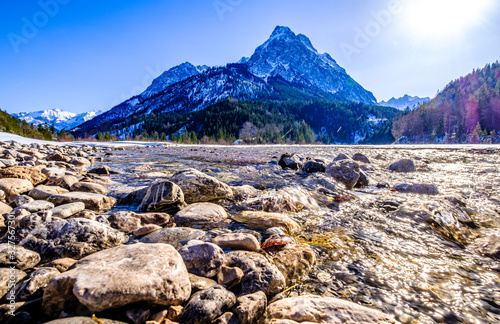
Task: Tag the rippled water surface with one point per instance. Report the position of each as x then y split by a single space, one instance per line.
415 256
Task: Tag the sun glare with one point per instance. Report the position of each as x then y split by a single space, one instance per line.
439 19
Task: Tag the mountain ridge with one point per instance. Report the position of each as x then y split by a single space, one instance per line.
60 119
404 102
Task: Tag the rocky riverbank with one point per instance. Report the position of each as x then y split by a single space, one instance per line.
195 234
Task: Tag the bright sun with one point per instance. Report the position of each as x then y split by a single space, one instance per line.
439 19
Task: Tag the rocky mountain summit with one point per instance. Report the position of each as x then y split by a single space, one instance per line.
284 60
60 119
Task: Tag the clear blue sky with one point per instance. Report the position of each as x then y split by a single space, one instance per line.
86 54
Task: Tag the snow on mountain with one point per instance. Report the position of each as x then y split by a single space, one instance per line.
294 58
61 119
405 102
284 59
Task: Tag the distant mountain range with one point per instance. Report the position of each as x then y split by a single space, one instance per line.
285 67
60 119
466 111
405 102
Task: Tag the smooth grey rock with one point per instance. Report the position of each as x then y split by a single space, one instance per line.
418 188
340 157
315 309
344 171
177 236
250 308
19 256
206 305
68 210
42 192
260 274
404 165
128 222
199 187
22 199
163 196
54 237
200 214
151 273
36 206
92 201
238 241
202 258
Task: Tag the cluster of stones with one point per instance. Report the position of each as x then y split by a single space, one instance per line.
156 262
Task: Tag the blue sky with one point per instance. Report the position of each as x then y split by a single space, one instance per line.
80 55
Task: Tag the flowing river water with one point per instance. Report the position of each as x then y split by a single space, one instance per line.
418 257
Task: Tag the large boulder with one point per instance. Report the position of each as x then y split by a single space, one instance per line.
260 274
361 158
200 214
284 200
92 201
202 258
33 175
17 255
151 273
294 261
262 220
344 171
199 187
14 186
177 236
315 309
54 238
163 196
404 165
206 305
313 166
128 222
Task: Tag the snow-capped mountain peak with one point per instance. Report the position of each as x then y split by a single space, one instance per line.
61 119
405 102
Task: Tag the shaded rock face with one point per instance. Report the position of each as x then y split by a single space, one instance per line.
418 188
128 222
65 181
34 176
489 246
206 305
250 308
344 171
295 261
229 276
404 165
291 161
200 283
201 258
200 214
55 238
199 187
152 273
361 158
21 257
313 166
164 196
177 236
260 274
92 201
314 309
